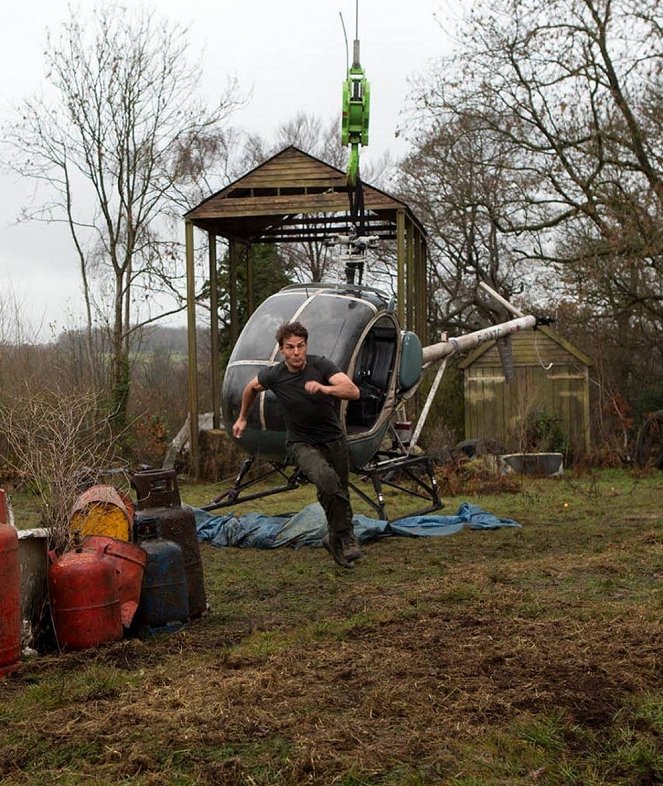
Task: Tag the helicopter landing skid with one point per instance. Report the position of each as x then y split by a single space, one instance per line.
418 469
234 496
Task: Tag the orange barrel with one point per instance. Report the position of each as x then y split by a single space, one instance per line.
158 496
102 510
129 562
85 603
10 594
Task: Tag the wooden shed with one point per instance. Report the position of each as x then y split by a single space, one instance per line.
551 376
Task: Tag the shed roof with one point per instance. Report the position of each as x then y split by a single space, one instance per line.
551 334
282 200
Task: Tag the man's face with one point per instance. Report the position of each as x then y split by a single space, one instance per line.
293 350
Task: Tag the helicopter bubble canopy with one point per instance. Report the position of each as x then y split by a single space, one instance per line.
353 326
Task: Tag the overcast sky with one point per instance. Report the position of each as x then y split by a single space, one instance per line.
289 53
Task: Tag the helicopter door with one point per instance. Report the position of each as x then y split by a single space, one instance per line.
373 373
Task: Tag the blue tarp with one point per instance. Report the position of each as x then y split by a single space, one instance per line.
308 527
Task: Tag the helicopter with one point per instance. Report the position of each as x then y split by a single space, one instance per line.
359 330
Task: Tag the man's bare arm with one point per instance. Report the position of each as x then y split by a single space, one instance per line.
249 395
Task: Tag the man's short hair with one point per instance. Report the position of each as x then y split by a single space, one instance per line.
291 329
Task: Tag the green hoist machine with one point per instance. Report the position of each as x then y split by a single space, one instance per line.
356 109
354 133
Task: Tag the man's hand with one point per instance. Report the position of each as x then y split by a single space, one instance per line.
249 395
312 387
238 427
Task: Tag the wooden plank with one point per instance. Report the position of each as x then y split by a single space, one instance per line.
303 177
279 206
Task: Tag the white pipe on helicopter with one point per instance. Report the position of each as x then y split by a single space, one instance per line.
435 352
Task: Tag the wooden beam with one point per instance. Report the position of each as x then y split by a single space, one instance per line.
250 263
194 460
279 205
215 371
232 290
400 258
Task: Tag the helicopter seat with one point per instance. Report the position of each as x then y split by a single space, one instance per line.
372 376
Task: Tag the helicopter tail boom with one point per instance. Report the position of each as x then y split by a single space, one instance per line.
436 352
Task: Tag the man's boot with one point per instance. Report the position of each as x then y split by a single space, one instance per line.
334 546
351 550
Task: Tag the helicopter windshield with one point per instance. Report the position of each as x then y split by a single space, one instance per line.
335 320
257 339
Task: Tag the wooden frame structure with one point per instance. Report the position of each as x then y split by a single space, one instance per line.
293 197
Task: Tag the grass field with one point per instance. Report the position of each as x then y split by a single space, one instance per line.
510 657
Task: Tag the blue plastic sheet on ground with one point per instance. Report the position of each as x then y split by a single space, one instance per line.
308 527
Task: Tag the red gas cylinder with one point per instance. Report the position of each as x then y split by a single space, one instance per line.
85 601
129 560
10 596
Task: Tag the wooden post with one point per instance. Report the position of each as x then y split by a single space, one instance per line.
250 257
410 276
194 464
422 289
400 257
214 333
586 411
232 290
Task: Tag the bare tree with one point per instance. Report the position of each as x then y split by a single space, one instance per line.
116 142
56 443
569 95
573 88
459 179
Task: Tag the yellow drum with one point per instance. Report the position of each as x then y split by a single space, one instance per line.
103 510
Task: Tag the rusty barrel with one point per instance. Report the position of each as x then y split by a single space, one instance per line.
10 594
158 496
103 510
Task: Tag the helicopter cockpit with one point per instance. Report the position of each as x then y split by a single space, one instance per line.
373 372
354 326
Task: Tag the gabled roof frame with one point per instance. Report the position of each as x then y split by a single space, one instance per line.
282 200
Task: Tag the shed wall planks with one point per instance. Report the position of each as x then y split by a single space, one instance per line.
548 378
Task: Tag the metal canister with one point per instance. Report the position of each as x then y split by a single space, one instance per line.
10 595
164 597
158 496
85 601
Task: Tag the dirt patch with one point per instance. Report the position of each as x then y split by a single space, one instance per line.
378 697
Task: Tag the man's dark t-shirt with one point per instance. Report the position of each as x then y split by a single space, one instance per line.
308 418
